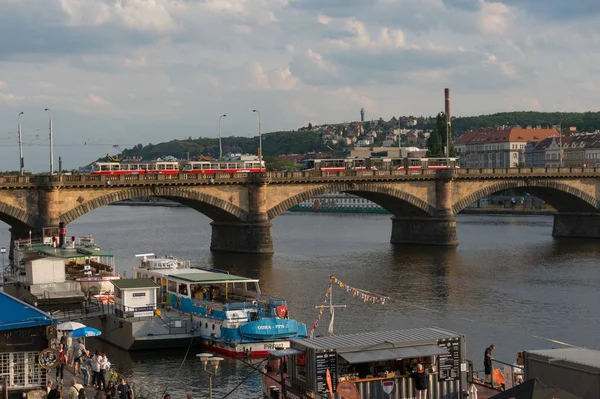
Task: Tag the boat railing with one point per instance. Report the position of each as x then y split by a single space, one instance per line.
504 375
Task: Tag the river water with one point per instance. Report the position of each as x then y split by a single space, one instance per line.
508 282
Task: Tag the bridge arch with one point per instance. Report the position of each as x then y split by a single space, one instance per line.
211 206
17 218
563 197
398 202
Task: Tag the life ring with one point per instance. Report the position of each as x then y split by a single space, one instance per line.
209 309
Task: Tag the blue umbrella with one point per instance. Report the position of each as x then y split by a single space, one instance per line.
85 332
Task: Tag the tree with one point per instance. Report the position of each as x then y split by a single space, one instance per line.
310 126
436 143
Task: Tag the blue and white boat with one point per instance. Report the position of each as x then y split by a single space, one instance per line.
230 313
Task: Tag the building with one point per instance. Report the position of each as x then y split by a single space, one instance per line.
535 152
497 147
26 333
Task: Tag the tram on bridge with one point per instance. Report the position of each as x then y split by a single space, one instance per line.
173 167
333 165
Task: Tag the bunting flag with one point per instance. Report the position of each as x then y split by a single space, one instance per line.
366 296
321 310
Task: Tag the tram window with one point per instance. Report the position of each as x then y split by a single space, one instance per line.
104 167
161 166
223 166
170 167
116 167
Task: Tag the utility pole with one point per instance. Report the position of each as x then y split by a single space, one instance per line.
448 126
21 163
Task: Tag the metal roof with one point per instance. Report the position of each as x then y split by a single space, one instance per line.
65 253
210 277
584 356
359 341
18 314
125 283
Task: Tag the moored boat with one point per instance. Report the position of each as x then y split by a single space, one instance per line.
229 312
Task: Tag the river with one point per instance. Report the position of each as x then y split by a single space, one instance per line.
508 282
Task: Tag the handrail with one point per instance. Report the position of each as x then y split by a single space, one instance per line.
94 179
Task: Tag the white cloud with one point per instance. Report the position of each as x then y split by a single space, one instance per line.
96 101
135 63
11 99
493 17
141 68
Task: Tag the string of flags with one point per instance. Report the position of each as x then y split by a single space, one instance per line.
321 310
366 296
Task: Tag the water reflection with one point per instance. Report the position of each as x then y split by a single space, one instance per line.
508 282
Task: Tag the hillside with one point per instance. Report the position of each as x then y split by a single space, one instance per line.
304 140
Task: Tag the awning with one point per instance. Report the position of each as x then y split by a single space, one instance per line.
284 352
377 355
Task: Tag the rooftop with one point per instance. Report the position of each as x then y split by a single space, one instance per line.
499 135
18 314
66 253
129 283
370 339
584 356
210 277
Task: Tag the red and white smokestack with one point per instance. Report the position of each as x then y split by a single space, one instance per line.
62 234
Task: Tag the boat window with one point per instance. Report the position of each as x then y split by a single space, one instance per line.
213 327
251 287
183 290
172 286
206 325
197 291
118 293
238 286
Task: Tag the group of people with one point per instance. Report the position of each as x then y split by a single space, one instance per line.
93 368
77 391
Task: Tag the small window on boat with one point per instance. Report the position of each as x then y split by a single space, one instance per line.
206 325
183 289
251 287
238 285
213 327
172 286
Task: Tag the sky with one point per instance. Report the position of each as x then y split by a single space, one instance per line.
123 72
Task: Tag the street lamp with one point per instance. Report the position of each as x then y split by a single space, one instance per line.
260 156
51 150
21 163
220 143
210 365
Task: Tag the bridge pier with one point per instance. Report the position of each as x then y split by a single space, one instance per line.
251 236
424 231
577 225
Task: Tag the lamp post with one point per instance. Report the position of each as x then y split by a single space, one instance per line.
21 163
260 155
51 150
220 143
210 366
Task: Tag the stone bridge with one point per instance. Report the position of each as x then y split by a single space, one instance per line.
241 205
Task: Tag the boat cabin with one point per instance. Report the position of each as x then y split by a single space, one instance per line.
376 364
135 297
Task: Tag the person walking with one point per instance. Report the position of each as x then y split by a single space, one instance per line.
62 355
78 353
73 392
124 391
421 378
86 364
487 363
95 363
102 361
111 390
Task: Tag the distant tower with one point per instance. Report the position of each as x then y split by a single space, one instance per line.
362 114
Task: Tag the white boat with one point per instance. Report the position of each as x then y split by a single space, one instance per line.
230 313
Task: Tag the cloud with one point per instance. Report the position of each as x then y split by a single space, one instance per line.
152 70
96 101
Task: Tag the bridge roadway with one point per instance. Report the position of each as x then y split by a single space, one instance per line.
241 205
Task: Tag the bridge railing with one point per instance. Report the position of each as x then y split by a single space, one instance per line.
241 177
